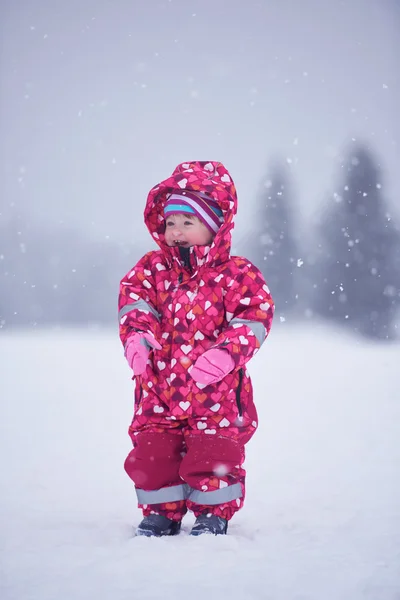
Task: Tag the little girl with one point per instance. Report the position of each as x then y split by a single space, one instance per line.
191 317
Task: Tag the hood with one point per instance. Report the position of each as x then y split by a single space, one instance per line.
209 177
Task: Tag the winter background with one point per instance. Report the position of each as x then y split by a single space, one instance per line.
100 101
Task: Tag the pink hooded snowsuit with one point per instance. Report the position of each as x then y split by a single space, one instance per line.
188 439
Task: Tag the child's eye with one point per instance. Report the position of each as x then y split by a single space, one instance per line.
170 223
188 223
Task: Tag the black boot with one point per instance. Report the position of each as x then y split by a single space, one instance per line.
211 524
157 526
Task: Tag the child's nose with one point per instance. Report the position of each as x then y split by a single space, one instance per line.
177 232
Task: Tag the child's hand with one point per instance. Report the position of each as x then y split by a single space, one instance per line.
212 366
137 351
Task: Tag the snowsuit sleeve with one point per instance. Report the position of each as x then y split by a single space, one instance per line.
249 310
137 302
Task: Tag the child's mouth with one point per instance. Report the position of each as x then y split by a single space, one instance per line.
179 243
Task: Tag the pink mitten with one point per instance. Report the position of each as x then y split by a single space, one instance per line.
212 366
137 351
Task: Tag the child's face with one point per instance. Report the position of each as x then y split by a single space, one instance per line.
186 230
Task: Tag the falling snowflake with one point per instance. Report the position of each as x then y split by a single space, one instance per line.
221 470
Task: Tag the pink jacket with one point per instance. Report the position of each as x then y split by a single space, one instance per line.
194 301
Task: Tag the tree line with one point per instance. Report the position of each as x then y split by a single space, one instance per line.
346 268
54 275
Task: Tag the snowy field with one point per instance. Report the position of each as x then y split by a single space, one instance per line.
322 517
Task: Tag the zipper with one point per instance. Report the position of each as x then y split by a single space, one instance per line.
185 258
238 392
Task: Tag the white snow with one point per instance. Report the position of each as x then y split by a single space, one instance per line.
322 516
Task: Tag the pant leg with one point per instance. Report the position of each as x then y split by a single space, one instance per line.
153 465
213 469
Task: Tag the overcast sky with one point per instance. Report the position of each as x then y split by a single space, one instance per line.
101 99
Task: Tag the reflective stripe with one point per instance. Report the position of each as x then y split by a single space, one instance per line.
138 305
257 328
184 492
231 492
167 494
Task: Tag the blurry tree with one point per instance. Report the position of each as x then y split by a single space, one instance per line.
272 244
355 270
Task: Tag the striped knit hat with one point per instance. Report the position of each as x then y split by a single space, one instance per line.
196 203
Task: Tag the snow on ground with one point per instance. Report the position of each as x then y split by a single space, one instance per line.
322 516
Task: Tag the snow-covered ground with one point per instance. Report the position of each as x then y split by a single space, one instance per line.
322 517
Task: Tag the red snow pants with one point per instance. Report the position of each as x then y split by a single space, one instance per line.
183 467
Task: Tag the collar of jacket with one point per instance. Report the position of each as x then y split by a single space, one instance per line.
190 259
217 253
